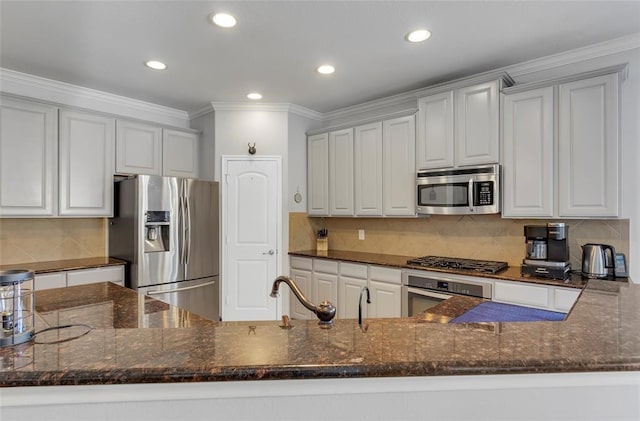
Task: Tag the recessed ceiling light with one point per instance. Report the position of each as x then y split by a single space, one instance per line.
156 65
223 20
326 69
254 96
418 35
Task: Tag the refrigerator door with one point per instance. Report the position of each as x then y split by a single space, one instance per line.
199 297
201 222
157 196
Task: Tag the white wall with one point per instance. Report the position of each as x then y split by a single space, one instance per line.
207 156
298 126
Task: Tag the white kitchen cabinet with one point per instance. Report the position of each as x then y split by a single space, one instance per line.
351 281
28 158
399 145
138 148
318 175
302 275
63 279
179 154
564 298
575 174
435 131
386 292
368 170
460 126
588 156
477 128
341 172
544 297
528 154
86 147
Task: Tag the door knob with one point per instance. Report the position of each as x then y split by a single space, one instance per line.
270 252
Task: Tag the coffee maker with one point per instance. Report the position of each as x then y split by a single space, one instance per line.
547 251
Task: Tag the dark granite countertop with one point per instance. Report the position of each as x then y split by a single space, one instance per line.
512 273
139 340
63 265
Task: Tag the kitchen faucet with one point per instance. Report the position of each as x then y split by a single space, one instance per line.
360 305
325 311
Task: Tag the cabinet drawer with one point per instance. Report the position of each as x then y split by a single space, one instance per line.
379 273
50 280
353 270
516 293
326 266
301 263
78 277
564 298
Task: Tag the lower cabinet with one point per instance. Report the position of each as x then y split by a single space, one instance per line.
70 278
537 296
341 283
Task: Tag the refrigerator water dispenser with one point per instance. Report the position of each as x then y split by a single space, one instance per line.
157 232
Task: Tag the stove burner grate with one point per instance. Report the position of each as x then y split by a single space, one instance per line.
487 266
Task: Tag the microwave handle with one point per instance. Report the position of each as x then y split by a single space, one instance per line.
470 194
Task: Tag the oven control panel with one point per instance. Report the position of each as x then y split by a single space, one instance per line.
455 287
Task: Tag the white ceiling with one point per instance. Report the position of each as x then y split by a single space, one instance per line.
277 45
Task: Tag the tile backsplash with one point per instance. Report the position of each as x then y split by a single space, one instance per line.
485 237
44 239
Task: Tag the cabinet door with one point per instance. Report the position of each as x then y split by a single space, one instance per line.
113 274
318 175
179 154
50 280
477 124
399 141
138 148
349 290
528 295
434 146
386 299
341 172
86 164
368 170
528 150
28 158
325 287
304 281
588 147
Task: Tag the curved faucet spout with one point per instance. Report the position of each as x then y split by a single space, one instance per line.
325 311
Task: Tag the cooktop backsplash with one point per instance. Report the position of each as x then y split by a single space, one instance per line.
485 237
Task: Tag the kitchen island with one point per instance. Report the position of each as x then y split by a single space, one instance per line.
141 350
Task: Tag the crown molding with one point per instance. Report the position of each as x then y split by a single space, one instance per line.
244 106
48 90
305 112
578 55
202 111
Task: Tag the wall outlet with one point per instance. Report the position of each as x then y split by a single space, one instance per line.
360 234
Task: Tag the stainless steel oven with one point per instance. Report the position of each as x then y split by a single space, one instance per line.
422 290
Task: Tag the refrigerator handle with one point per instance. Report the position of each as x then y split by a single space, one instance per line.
182 231
187 244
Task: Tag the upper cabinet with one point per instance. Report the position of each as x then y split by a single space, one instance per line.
368 170
318 174
28 158
86 164
148 149
571 172
460 126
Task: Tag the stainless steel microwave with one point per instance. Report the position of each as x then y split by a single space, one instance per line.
460 191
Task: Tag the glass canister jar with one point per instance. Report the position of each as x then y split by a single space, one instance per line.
17 306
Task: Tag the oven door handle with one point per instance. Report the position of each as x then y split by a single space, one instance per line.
428 293
171 291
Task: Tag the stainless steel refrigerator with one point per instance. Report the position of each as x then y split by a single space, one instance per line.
167 229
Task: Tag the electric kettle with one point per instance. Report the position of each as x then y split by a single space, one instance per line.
597 259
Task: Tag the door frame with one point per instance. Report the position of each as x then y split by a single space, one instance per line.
224 218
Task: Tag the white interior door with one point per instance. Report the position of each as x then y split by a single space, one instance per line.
251 237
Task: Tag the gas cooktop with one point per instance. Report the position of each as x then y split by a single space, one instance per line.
486 266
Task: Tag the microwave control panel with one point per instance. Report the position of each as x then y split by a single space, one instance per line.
483 193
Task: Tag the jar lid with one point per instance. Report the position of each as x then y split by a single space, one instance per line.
13 276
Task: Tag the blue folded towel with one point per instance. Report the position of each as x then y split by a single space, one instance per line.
498 312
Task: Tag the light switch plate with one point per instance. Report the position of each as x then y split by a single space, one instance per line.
360 234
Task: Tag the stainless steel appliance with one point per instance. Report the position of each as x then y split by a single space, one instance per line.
546 251
440 262
167 229
602 261
462 191
422 290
